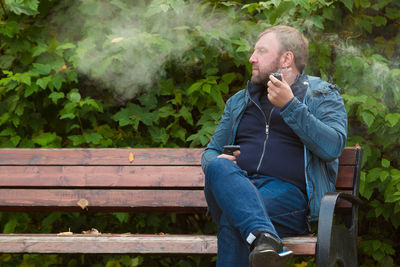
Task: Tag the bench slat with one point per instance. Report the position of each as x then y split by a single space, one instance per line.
120 176
101 199
101 176
348 156
148 156
129 243
345 177
120 156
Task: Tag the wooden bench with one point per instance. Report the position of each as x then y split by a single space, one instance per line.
147 180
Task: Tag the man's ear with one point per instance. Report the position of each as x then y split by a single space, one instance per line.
287 59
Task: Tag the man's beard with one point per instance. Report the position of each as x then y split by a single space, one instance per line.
262 78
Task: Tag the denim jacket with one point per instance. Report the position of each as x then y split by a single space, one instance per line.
320 121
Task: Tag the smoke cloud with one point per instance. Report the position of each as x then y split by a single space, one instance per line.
126 46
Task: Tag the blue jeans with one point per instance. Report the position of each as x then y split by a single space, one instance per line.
240 204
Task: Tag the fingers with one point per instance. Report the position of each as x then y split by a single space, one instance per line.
230 157
279 92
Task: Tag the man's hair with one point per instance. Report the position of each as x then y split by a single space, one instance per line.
292 40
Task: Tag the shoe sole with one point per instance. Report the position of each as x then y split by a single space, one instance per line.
269 258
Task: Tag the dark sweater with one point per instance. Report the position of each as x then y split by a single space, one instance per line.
283 155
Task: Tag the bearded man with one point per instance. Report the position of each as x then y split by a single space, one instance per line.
291 132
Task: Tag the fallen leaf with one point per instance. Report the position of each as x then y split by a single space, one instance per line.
92 231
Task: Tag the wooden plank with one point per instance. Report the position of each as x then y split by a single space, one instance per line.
100 199
301 245
88 156
78 200
114 244
348 156
118 156
129 244
345 177
101 176
120 176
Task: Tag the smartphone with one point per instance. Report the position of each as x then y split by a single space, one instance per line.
277 75
229 149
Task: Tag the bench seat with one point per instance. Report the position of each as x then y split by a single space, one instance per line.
147 180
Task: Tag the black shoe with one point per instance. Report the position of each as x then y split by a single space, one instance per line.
268 251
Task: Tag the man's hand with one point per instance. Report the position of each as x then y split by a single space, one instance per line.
279 92
230 157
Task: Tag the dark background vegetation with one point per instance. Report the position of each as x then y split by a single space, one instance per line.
119 73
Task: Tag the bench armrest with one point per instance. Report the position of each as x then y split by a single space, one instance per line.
325 223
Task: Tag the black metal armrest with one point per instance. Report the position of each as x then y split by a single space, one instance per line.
325 223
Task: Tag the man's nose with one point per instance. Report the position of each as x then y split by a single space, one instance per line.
252 59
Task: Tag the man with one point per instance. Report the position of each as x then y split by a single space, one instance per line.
290 133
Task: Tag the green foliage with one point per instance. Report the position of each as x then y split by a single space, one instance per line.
157 74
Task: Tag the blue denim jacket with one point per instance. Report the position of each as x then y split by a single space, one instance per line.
320 121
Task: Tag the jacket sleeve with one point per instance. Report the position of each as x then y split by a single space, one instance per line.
324 130
223 135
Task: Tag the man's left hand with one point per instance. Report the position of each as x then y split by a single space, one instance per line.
279 92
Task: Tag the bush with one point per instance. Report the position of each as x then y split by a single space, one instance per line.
99 73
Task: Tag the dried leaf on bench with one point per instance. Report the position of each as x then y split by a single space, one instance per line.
65 233
92 231
83 203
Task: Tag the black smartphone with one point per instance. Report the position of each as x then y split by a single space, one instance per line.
229 149
277 75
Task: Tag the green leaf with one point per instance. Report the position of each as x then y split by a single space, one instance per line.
76 139
15 140
57 81
122 217
66 46
92 103
41 69
243 44
159 135
55 96
367 117
27 7
92 138
392 13
10 226
74 96
33 88
348 4
44 139
206 88
194 87
385 163
185 113
392 118
43 82
8 132
10 29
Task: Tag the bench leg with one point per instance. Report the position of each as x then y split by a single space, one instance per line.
343 249
336 244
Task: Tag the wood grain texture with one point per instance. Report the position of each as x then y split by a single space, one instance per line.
129 243
79 200
104 157
101 176
117 156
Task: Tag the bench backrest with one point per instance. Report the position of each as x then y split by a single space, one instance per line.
118 179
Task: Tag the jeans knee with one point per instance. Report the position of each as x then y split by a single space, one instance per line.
217 167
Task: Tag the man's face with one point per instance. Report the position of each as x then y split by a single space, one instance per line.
265 58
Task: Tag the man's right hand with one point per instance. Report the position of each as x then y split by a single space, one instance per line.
230 157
